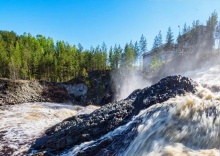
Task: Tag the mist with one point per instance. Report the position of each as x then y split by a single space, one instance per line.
195 50
127 80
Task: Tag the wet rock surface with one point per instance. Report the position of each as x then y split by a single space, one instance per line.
78 129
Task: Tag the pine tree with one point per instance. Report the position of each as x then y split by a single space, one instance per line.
185 29
104 50
104 47
15 62
155 63
142 45
157 45
80 47
169 40
111 58
128 57
211 24
142 49
117 56
136 51
193 24
3 59
160 40
197 23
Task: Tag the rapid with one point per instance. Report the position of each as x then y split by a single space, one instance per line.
21 124
186 125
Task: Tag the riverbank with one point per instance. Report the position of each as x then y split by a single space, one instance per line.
94 89
23 91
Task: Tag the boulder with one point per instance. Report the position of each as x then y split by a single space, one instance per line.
78 129
78 91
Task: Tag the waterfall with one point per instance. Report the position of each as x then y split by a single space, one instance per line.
184 125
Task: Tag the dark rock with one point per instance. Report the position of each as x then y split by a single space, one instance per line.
134 94
166 88
94 89
99 85
78 129
107 98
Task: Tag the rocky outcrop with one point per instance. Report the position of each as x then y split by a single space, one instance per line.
94 89
98 85
78 129
78 91
22 91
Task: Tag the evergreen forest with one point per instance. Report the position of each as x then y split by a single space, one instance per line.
38 57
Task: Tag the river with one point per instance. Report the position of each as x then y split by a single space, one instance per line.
21 124
186 125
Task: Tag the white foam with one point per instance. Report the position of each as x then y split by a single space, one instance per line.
21 124
179 126
184 128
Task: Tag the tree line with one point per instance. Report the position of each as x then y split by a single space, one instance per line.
194 35
39 57
197 39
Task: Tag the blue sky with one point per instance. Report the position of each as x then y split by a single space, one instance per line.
90 22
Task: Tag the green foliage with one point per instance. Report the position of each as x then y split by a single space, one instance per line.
142 46
169 45
128 57
15 62
157 45
211 25
38 57
155 63
84 73
140 50
111 58
199 37
4 69
29 57
115 56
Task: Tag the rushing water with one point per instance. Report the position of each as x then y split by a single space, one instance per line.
21 124
187 125
182 126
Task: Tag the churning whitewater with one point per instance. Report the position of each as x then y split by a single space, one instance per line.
185 125
21 124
